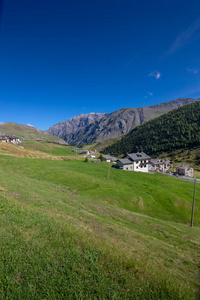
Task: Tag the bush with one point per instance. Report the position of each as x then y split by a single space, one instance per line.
101 157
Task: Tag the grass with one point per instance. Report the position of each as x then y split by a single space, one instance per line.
50 148
16 150
68 233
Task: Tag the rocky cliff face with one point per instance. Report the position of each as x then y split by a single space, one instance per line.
112 125
63 129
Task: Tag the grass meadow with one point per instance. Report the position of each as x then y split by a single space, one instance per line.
69 233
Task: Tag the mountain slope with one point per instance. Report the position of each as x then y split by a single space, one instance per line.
177 129
28 132
119 122
65 128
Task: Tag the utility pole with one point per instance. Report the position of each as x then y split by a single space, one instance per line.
76 152
192 217
108 170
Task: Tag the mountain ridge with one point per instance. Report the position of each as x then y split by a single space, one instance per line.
115 124
64 128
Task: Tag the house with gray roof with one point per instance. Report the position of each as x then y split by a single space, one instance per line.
134 162
125 164
184 170
159 165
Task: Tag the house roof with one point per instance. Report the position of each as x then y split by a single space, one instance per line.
166 161
138 156
112 158
125 161
107 156
156 161
159 161
182 166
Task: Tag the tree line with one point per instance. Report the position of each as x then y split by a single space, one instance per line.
176 129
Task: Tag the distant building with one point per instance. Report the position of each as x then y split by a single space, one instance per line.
9 139
134 162
159 165
109 158
3 138
96 160
85 152
184 170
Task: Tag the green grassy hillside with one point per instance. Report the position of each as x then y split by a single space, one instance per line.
69 233
50 148
28 132
178 129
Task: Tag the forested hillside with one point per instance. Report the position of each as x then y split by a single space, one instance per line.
177 129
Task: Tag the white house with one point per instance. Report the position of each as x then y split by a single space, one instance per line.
14 139
134 162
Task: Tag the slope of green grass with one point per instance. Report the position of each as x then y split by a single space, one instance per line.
69 233
28 132
50 148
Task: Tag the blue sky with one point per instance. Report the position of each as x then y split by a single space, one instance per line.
62 58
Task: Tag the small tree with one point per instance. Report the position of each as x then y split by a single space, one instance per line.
86 159
101 157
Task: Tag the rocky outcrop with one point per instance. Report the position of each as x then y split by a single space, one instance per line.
65 128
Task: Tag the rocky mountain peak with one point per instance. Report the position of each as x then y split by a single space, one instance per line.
74 124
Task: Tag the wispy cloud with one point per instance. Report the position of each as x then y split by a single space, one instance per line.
1 123
194 71
189 35
155 74
30 125
149 93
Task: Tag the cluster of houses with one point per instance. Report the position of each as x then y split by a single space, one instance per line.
142 162
9 139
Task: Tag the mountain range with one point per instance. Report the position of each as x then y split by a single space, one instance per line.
96 127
